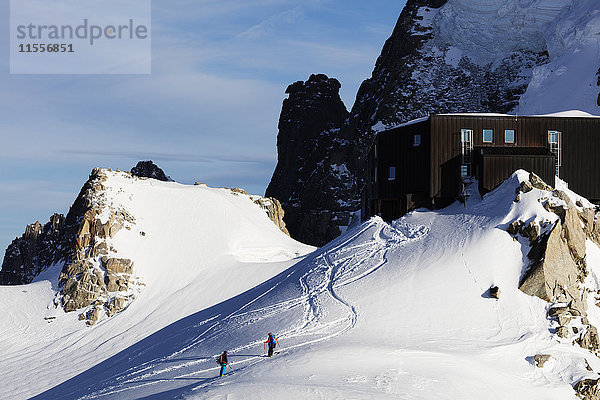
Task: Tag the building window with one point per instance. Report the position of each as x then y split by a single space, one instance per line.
464 171
488 136
416 140
552 136
466 134
509 136
392 175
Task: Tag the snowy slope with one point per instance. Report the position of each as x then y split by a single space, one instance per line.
200 246
394 311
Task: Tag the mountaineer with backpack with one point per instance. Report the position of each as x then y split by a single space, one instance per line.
272 342
222 361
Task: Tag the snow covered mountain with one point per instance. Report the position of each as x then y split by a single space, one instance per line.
439 304
525 57
187 247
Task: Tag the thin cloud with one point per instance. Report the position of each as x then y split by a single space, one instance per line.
270 24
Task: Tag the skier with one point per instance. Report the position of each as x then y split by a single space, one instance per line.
273 342
222 361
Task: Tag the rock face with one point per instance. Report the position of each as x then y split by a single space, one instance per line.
274 211
38 248
315 177
435 61
557 266
270 205
588 389
91 276
147 169
558 259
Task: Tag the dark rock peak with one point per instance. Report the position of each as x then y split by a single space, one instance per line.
312 107
315 170
316 85
147 169
37 249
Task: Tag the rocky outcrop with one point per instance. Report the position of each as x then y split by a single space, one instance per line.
557 266
92 275
32 253
147 169
315 177
270 205
274 211
588 389
558 257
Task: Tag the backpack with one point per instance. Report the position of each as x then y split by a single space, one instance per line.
218 360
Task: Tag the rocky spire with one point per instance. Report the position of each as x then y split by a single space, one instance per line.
314 176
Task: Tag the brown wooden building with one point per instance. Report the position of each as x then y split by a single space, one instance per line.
425 163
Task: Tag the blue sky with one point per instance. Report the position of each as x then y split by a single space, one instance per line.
208 112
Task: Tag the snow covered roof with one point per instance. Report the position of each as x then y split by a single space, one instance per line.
381 127
561 114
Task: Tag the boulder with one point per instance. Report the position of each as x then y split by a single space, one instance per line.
540 359
495 292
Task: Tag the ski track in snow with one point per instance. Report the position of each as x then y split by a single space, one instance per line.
319 279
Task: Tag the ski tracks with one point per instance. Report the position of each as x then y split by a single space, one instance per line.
318 281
